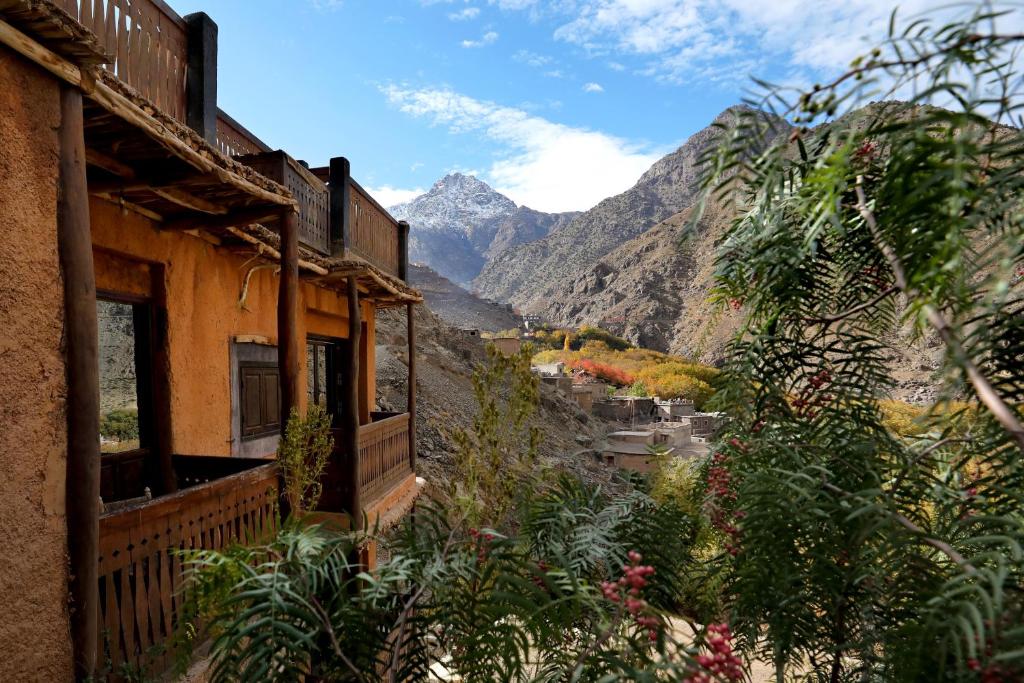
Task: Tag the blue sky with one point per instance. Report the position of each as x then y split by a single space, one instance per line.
557 104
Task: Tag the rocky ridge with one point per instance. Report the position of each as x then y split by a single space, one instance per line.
462 221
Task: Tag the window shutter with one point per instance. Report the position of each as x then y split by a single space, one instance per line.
260 404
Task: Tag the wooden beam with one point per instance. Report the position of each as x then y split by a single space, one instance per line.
350 405
46 58
83 405
109 164
131 206
171 194
228 220
287 316
190 201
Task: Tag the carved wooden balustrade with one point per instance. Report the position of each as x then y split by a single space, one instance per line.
383 455
148 42
141 568
373 233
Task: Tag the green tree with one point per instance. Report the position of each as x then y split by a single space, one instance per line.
861 553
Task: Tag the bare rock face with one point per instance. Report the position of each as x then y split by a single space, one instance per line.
459 307
462 221
531 274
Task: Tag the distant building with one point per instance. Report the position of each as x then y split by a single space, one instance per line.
626 409
584 398
550 369
675 408
637 449
559 383
507 346
706 424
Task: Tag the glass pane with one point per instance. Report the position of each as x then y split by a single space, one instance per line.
119 399
321 373
310 368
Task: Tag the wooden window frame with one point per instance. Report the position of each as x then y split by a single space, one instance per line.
113 482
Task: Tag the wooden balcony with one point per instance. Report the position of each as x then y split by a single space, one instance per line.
141 574
384 463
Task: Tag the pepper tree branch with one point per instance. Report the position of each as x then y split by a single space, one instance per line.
986 392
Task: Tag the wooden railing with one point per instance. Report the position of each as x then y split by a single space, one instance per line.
148 42
308 190
383 455
234 139
373 232
141 570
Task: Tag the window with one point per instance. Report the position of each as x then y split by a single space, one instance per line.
316 372
323 379
126 426
124 375
260 403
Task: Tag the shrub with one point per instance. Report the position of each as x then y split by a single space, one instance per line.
121 424
588 333
603 371
302 456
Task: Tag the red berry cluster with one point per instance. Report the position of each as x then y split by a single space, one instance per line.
627 591
993 673
811 398
874 275
721 663
866 151
722 496
483 543
735 304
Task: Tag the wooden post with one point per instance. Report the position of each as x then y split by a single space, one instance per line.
403 251
201 76
410 320
287 315
83 398
338 177
350 404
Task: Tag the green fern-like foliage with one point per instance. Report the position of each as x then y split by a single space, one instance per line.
858 553
533 605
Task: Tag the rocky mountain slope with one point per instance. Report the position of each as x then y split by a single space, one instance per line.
461 222
458 307
530 274
445 400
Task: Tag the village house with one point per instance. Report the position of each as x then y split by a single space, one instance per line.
638 449
673 409
140 219
508 346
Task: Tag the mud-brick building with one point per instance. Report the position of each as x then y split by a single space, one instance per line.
172 288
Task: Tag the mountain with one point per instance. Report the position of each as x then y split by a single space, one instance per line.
457 306
462 221
530 274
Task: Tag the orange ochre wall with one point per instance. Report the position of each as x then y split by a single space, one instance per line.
35 640
203 283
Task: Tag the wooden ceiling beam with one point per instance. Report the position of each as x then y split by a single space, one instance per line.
227 220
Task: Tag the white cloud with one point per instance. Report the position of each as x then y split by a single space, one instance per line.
415 166
465 14
554 73
532 58
592 87
389 196
486 39
728 40
545 165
